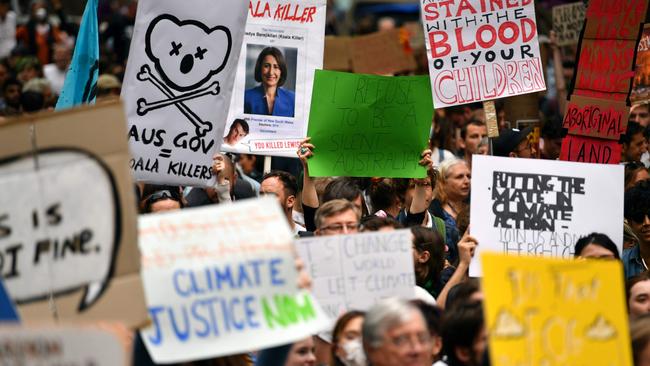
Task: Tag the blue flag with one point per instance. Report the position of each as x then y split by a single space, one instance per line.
81 80
7 308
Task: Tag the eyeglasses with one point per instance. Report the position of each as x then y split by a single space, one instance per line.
342 227
422 339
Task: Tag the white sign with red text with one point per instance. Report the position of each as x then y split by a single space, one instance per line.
481 50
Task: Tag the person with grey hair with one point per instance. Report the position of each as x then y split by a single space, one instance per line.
396 334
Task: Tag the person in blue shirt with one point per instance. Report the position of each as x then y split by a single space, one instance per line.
269 98
637 213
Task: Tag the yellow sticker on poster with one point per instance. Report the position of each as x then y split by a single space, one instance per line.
552 312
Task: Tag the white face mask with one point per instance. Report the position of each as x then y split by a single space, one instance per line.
355 355
41 14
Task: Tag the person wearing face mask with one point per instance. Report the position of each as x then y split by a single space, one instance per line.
347 348
39 35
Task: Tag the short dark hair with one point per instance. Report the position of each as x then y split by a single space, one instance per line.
472 122
461 293
374 223
633 128
552 129
637 202
432 316
341 188
460 327
596 239
9 82
241 122
279 57
288 181
32 101
630 282
382 195
456 109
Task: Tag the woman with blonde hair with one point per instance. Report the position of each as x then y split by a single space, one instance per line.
451 196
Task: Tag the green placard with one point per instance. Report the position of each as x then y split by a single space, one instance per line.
369 126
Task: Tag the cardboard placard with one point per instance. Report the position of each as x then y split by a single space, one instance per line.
606 65
593 117
380 53
222 280
615 19
481 50
281 32
177 87
641 85
542 207
605 71
590 150
369 126
556 312
416 35
353 272
568 20
337 55
67 217
60 346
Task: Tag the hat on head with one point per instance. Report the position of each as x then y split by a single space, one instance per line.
108 81
508 140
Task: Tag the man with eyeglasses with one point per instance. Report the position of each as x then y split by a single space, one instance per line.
336 217
514 143
396 334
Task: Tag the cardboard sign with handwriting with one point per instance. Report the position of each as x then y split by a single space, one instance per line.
380 53
542 311
68 219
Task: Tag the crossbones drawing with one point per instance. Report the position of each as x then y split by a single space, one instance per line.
186 55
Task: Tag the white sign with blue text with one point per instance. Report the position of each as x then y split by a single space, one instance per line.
222 280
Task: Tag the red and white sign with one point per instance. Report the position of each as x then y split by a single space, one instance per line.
481 50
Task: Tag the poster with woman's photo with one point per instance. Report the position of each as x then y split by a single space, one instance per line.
270 103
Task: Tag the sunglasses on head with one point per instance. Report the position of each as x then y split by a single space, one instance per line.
161 195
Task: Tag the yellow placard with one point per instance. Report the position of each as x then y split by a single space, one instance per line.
552 312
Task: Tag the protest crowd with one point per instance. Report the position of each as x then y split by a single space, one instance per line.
429 193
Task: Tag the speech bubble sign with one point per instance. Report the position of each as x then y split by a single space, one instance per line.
59 224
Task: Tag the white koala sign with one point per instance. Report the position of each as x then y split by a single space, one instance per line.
177 87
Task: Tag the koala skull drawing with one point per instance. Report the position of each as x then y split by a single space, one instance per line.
186 53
